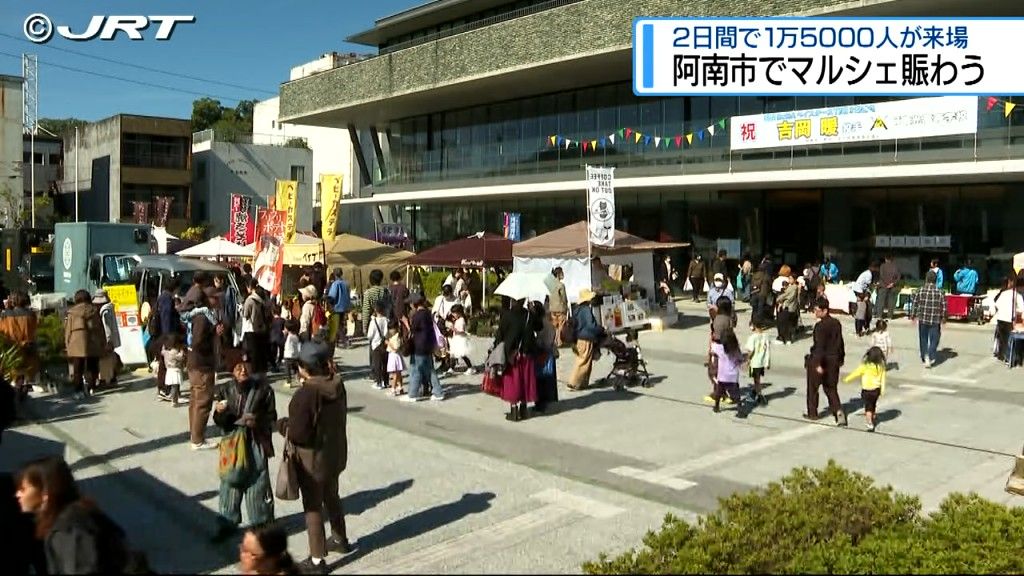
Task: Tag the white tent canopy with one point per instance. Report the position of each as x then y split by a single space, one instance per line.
218 247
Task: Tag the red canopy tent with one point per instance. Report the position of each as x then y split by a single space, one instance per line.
477 251
480 250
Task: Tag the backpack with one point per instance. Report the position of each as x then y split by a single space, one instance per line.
567 333
153 325
319 319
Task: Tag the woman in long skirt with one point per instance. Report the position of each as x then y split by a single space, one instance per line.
517 332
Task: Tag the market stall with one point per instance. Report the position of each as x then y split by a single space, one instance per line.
568 248
217 248
481 250
357 257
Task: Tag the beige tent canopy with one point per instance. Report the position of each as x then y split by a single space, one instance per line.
357 257
571 242
304 250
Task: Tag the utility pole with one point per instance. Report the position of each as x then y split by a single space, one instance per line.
76 173
30 118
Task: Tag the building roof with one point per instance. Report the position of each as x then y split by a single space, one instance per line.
418 17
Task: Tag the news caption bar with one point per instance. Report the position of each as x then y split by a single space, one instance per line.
826 56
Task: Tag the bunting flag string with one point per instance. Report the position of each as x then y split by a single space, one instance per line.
991 102
629 134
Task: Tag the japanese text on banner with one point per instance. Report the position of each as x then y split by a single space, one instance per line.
287 202
330 200
899 119
241 231
601 205
805 56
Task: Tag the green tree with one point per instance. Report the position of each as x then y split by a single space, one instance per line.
244 111
205 113
61 126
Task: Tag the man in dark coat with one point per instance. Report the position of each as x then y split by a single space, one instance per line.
828 353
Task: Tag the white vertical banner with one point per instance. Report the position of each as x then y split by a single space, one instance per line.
601 205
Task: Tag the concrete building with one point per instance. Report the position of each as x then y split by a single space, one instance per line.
128 158
11 122
47 163
242 167
331 148
454 119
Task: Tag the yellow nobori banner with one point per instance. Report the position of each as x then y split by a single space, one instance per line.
288 201
330 199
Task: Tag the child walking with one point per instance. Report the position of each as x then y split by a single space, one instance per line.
174 355
872 382
759 350
291 350
377 333
883 340
459 346
727 358
860 315
395 361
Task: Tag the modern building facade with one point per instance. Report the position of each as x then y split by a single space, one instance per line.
125 159
475 108
11 122
226 168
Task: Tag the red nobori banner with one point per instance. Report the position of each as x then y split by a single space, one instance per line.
242 227
268 260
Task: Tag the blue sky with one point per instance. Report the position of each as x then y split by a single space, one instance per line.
252 44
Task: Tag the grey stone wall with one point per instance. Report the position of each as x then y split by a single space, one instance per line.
561 33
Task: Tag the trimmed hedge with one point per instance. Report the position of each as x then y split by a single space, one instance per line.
831 521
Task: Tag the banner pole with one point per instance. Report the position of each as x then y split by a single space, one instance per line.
590 249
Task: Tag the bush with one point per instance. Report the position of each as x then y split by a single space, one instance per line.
832 521
50 337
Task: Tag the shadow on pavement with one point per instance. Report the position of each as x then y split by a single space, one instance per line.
569 400
132 449
418 524
18 448
161 521
353 504
887 415
944 355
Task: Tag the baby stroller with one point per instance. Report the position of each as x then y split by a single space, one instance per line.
629 367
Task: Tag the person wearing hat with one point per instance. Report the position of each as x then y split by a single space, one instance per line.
84 341
424 342
318 441
719 288
589 334
109 362
308 293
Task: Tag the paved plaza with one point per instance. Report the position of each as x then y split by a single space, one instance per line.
452 486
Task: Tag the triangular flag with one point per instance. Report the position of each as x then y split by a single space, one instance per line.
603 140
567 143
638 137
700 135
689 138
647 140
552 139
711 129
657 141
585 144
1009 106
679 141
611 138
628 132
721 123
990 103
593 144
560 140
622 133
